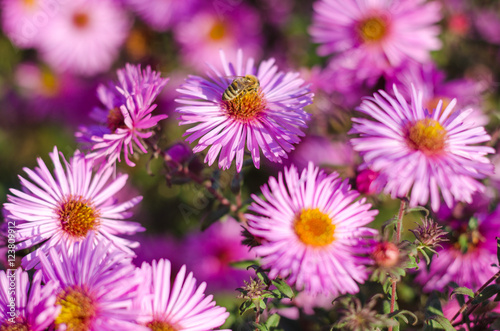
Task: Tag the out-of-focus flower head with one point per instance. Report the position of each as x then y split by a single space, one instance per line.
96 286
161 15
32 301
421 153
312 231
84 36
428 79
323 152
365 181
468 257
266 113
69 206
377 35
221 245
22 20
487 23
215 27
480 318
127 118
179 304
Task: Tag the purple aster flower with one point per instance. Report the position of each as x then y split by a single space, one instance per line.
23 20
180 305
431 81
312 231
221 245
268 117
96 289
34 308
215 27
420 151
127 118
379 34
68 207
84 36
163 14
467 258
487 23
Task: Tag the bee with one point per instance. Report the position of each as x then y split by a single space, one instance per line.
241 86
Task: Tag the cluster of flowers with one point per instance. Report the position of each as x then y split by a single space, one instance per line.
417 139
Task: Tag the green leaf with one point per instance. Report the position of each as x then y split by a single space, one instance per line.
243 264
246 305
261 327
283 287
273 321
402 314
444 322
463 291
487 293
425 210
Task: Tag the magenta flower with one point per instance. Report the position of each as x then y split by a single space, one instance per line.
34 308
69 207
377 35
221 245
312 231
96 287
178 306
420 151
269 117
467 258
84 36
127 118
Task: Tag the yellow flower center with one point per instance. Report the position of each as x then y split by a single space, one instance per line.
427 135
81 20
115 119
314 228
20 324
246 106
218 31
78 309
78 216
372 29
157 325
50 84
30 4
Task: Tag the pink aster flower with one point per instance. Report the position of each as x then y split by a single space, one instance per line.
34 308
180 305
312 231
126 119
68 207
268 117
85 36
22 20
163 14
467 258
215 27
96 287
424 152
378 34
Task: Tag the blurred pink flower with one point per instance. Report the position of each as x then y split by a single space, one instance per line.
209 30
85 36
209 255
22 20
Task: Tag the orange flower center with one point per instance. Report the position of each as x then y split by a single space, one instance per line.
115 119
157 325
246 106
78 216
427 135
30 4
432 103
372 29
314 228
218 31
80 20
20 324
78 309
